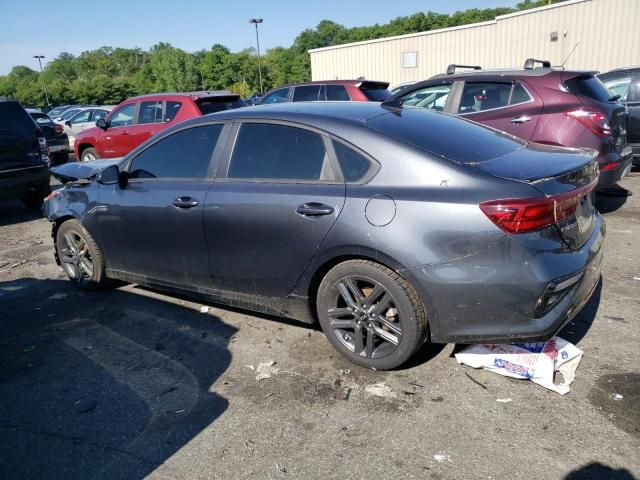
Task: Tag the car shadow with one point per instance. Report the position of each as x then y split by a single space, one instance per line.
13 212
611 199
599 471
577 328
102 384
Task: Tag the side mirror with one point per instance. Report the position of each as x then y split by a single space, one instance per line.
109 176
102 123
68 123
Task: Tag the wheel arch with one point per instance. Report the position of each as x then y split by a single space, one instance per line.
59 220
82 147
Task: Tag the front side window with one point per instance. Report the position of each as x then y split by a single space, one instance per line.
277 96
307 93
353 164
433 97
184 154
337 93
619 86
478 97
150 112
265 151
123 117
81 117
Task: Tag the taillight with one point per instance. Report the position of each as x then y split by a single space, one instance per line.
592 119
609 166
58 128
523 215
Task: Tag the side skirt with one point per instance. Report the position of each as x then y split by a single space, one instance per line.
292 307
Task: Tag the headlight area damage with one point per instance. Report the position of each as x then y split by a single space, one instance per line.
72 172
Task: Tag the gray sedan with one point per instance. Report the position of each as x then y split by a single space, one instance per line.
389 226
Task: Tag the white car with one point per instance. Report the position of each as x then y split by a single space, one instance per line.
83 119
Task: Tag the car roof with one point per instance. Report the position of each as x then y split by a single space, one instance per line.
355 83
620 70
193 95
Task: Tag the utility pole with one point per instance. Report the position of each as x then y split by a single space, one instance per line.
256 21
44 84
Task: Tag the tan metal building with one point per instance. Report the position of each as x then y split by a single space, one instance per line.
606 32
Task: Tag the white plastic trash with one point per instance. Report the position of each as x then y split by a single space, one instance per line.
537 362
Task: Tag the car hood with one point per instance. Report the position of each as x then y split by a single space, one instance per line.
71 172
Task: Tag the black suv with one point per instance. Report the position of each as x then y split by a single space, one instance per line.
625 84
24 160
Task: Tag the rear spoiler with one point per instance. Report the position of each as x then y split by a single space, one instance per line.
374 84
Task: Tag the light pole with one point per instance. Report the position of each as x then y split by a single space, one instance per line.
44 84
256 21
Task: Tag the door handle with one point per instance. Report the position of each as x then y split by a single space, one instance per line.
521 119
126 132
314 209
185 202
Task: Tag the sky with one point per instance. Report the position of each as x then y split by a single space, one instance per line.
39 27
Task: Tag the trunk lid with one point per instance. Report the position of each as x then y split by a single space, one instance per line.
565 177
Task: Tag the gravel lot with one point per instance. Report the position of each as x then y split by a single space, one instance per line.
132 383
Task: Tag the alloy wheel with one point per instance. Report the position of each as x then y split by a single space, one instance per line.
364 317
76 258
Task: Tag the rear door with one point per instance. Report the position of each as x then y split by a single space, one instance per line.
508 106
308 93
277 196
153 227
150 121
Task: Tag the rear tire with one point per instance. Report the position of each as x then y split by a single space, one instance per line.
89 154
80 256
370 314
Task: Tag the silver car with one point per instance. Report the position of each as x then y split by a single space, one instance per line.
85 118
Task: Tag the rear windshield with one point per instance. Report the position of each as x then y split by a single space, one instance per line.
376 93
213 105
456 139
14 120
590 87
42 119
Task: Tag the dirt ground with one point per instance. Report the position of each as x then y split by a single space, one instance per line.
132 383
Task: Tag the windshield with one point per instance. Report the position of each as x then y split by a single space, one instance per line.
590 87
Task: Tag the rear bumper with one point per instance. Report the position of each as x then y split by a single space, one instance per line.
17 182
491 296
613 176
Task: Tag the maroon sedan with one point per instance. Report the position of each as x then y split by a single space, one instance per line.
541 104
328 90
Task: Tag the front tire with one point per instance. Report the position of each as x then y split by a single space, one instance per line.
89 154
80 256
370 314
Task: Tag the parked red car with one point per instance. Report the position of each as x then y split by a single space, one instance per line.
328 90
541 104
139 118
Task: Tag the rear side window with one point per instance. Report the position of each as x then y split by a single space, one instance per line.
354 166
98 114
337 93
150 112
265 151
15 120
213 105
477 97
519 95
184 154
171 110
453 138
375 93
307 93
590 87
81 117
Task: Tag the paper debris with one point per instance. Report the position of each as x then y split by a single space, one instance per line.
503 400
264 370
380 390
537 362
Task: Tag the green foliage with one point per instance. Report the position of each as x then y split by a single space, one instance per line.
108 76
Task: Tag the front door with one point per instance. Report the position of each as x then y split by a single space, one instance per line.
153 226
117 139
507 106
266 216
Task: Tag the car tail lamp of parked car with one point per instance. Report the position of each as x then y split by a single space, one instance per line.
529 214
58 128
593 120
